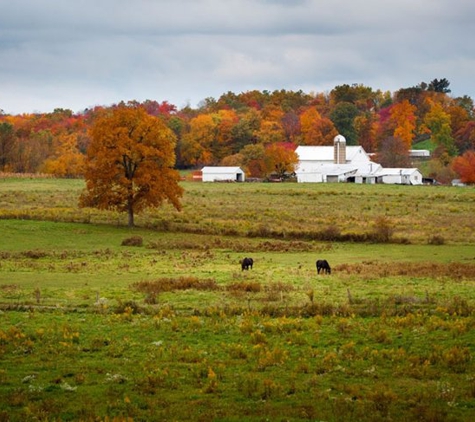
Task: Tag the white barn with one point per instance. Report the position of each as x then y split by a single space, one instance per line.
342 163
221 174
336 163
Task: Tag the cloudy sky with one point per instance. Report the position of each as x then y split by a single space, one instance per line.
80 53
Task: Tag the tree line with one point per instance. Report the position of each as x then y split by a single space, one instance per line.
259 130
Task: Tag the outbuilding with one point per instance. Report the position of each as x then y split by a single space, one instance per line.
222 174
399 176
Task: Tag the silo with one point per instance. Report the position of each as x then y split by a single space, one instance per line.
339 149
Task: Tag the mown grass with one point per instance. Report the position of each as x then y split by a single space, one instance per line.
100 322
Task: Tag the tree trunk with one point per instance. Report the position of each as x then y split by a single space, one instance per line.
130 208
131 217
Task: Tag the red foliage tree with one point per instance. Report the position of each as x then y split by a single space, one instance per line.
464 166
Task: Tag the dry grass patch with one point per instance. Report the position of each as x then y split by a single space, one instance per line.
455 270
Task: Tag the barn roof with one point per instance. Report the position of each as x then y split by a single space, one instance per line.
221 170
325 153
396 171
336 169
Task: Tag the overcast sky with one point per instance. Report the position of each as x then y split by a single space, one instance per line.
77 54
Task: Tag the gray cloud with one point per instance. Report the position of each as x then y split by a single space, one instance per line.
84 53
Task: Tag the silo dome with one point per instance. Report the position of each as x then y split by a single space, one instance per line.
339 149
339 139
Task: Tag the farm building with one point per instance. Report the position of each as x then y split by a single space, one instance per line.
419 153
342 163
222 174
399 176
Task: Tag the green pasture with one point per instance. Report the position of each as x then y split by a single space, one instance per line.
173 329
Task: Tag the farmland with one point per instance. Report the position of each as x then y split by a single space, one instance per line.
101 322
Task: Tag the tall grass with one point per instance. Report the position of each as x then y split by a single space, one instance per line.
325 212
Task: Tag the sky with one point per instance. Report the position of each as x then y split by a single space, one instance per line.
77 54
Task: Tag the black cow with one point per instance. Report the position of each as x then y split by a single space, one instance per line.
247 263
324 266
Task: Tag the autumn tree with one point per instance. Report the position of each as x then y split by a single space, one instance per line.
130 163
244 132
464 166
280 159
403 120
271 129
67 161
393 153
437 122
7 145
195 148
291 126
316 130
253 160
465 137
366 129
225 121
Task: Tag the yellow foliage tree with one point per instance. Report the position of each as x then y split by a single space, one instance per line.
67 160
129 163
271 129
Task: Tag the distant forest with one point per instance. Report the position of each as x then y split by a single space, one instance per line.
246 129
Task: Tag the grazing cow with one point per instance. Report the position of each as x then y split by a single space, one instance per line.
247 263
324 266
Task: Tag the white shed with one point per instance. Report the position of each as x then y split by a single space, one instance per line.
223 174
419 153
400 176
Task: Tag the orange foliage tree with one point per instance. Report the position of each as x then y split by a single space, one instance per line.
366 127
464 166
281 159
129 163
316 130
195 148
404 121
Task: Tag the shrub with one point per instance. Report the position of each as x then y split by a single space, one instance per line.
245 286
133 241
128 307
331 233
35 254
383 230
436 240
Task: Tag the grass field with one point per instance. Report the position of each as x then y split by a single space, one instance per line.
172 329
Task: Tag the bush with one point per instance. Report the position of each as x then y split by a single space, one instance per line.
132 241
383 230
332 233
127 307
436 240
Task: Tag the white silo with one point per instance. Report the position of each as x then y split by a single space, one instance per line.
339 149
